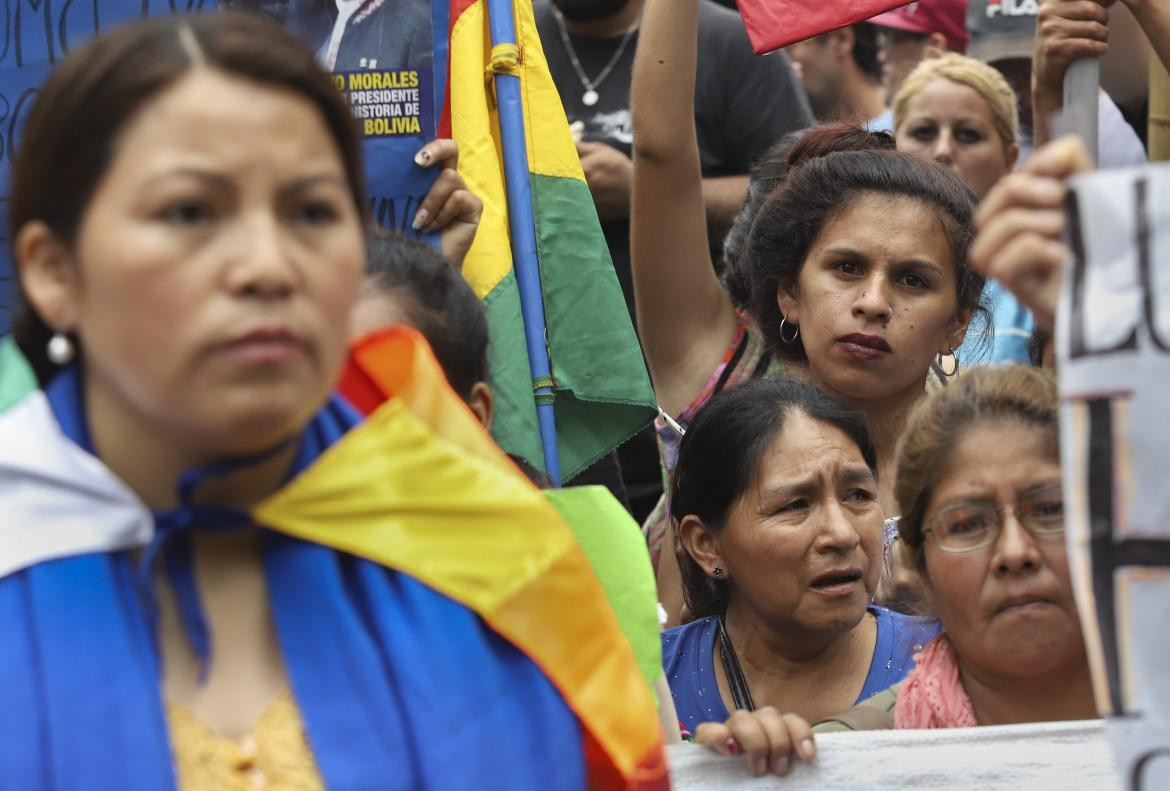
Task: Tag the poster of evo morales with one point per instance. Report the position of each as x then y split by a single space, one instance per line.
388 58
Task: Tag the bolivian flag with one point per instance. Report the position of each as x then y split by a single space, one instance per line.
603 393
469 525
418 489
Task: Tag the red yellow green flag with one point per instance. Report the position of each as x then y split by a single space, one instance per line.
420 487
603 393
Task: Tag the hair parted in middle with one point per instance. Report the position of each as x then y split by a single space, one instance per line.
976 75
70 138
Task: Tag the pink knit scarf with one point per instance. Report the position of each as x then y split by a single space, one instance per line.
933 695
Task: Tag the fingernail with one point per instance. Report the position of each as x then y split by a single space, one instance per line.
732 746
807 748
760 766
422 157
420 219
780 765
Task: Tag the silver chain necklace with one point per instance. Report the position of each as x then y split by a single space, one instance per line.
590 97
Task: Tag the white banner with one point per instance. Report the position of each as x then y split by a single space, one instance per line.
1113 344
1066 756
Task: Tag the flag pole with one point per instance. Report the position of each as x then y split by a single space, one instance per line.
505 59
1082 81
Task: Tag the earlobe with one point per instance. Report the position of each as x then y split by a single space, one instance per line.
701 544
957 335
48 276
1013 154
842 41
936 45
481 403
786 301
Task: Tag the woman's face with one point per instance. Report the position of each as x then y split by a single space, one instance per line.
876 298
803 548
1008 608
216 265
951 124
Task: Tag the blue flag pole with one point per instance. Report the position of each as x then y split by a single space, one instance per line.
525 262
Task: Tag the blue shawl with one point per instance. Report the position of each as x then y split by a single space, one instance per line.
398 685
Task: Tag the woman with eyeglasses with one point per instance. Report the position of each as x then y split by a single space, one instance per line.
983 521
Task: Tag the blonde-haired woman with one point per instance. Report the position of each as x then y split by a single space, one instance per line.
961 113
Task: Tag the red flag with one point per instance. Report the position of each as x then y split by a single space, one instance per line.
772 24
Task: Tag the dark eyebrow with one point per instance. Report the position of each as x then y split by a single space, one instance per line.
856 473
850 475
801 486
222 182
217 180
847 252
918 263
922 263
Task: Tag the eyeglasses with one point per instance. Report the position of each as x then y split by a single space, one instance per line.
965 527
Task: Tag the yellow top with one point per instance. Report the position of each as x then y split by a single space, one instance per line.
275 756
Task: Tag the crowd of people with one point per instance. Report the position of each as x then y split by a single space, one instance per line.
842 263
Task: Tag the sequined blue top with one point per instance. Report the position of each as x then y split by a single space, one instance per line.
688 656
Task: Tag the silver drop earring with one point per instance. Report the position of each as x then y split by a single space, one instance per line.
60 349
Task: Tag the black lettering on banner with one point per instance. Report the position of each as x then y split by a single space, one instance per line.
1145 260
1137 777
1101 546
86 32
1109 553
24 102
43 7
4 147
1078 340
1078 343
6 30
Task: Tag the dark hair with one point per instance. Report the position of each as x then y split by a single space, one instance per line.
769 171
865 50
722 454
69 140
941 420
791 219
437 302
1039 340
